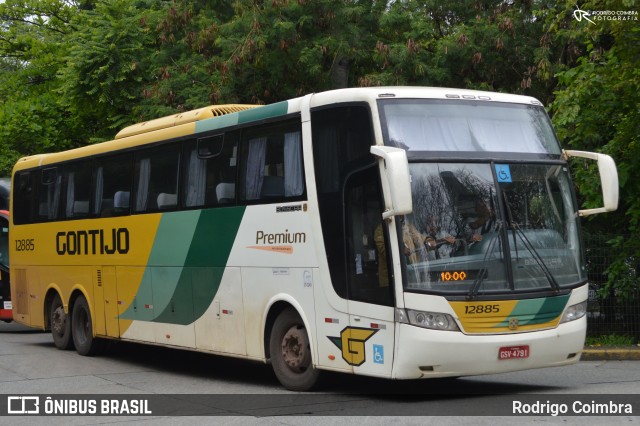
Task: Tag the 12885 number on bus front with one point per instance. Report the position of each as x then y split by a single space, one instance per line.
481 309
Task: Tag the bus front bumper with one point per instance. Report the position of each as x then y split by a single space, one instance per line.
425 353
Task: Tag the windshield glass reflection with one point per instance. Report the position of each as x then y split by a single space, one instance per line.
471 234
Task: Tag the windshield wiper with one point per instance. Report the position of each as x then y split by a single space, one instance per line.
483 272
527 244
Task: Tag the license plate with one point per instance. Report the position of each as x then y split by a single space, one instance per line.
513 352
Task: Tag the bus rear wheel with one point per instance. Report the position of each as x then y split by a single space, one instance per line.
82 329
291 353
60 324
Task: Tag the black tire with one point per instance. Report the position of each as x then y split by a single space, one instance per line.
82 329
60 323
291 353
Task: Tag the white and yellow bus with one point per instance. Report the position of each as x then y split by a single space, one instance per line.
401 233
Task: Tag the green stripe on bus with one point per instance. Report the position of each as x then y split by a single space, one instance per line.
186 264
267 111
170 248
217 122
172 242
536 311
246 116
214 237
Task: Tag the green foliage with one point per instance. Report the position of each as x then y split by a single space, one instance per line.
611 340
32 46
596 109
469 44
181 72
106 63
277 50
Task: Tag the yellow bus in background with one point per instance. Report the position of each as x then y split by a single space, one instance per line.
393 232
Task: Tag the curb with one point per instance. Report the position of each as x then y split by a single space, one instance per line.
612 353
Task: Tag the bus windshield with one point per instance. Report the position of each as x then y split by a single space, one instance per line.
487 228
471 126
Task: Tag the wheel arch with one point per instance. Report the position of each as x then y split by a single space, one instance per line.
276 306
52 291
76 292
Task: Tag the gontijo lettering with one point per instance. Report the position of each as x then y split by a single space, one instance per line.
93 241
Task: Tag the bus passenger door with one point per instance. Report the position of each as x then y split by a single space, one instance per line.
355 325
105 300
370 290
135 304
220 326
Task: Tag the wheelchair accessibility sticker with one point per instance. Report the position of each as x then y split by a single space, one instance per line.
378 354
503 171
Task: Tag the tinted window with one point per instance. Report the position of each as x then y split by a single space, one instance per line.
367 254
77 184
49 194
4 241
23 197
113 186
342 138
272 163
156 179
210 170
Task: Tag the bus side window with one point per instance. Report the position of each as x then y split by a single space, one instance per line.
156 179
23 197
272 163
77 186
49 194
210 170
5 190
4 241
113 175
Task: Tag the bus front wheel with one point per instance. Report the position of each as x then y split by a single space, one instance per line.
60 324
291 352
82 328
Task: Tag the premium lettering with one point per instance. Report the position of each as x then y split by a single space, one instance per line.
285 237
93 241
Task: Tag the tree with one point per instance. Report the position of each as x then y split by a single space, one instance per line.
596 108
471 44
183 67
106 64
31 51
276 50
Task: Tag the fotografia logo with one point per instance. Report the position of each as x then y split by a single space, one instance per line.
23 405
579 14
605 15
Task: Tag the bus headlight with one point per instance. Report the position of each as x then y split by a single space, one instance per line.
432 320
574 312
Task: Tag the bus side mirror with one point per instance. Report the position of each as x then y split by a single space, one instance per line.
396 180
608 180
